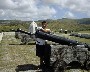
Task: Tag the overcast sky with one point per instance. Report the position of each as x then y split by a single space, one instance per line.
44 9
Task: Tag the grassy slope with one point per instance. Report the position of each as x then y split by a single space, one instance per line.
57 25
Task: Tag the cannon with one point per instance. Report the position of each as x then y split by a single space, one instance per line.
67 53
58 39
25 38
70 54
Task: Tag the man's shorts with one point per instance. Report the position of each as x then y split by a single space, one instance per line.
43 50
40 50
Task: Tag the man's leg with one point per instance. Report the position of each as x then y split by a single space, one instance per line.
41 62
39 54
47 55
47 61
42 56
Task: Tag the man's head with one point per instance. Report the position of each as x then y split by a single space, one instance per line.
44 24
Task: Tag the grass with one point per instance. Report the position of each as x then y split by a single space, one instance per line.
75 38
80 39
13 54
84 32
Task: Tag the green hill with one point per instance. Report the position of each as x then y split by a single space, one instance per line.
54 25
68 24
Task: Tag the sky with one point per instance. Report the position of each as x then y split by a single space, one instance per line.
44 9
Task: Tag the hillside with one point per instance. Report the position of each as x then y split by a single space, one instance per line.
54 25
68 25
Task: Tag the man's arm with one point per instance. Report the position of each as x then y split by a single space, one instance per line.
46 30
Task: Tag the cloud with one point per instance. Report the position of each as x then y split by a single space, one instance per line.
69 15
7 4
25 10
41 9
2 12
46 12
73 5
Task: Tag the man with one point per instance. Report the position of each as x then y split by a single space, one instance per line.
43 49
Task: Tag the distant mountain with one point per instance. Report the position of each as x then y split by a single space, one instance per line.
63 20
13 22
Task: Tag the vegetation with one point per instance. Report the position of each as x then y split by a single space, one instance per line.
66 25
54 25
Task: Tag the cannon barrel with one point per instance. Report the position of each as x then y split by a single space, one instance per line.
58 39
55 38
